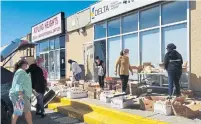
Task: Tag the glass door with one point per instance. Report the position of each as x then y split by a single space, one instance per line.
57 64
45 58
88 61
100 50
51 65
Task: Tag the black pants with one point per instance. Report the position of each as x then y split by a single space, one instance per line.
124 80
173 80
101 81
40 104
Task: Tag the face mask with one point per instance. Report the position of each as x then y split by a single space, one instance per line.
41 64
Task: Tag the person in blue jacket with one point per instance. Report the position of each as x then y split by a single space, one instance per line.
173 64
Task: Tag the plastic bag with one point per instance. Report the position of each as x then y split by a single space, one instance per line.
19 107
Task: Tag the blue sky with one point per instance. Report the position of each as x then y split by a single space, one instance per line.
17 18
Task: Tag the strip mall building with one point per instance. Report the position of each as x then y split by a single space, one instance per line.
144 27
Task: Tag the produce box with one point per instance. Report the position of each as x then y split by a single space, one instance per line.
75 92
163 107
121 102
92 94
186 109
133 87
147 103
187 93
63 91
106 96
81 86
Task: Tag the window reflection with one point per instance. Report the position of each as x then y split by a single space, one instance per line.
174 12
149 18
150 45
57 43
51 44
62 42
114 27
100 30
44 46
113 54
130 23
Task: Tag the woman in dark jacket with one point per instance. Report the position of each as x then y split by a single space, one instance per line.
39 84
101 71
173 65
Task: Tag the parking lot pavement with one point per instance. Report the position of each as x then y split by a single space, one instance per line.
51 118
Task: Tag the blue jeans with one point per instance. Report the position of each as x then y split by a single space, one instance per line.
173 80
40 103
78 76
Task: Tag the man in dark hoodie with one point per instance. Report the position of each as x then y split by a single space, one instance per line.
39 84
173 64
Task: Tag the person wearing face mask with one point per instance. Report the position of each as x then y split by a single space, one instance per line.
173 64
39 84
21 90
123 67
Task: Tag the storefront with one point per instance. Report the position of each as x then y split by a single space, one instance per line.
79 43
50 38
144 27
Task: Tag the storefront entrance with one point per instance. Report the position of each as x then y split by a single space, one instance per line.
99 50
53 53
88 61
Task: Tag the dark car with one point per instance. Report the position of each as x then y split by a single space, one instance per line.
7 77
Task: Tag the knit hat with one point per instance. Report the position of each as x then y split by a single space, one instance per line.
171 46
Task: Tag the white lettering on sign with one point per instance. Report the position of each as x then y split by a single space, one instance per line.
48 28
109 8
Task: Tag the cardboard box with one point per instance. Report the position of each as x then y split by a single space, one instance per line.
146 104
187 93
121 102
75 92
92 94
106 97
188 109
133 87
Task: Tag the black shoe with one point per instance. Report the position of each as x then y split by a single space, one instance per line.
43 115
38 113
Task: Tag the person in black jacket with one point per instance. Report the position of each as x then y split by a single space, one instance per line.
173 64
101 71
39 84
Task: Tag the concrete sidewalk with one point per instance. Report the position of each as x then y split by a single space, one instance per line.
51 118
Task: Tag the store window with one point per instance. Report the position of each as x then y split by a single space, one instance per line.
113 54
130 23
57 43
51 44
150 46
174 12
38 50
131 42
170 35
44 46
100 30
149 18
62 41
57 64
114 27
62 63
